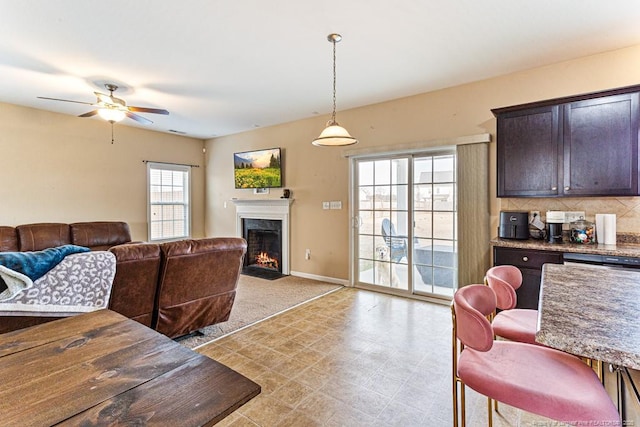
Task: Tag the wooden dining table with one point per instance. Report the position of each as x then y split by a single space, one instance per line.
102 368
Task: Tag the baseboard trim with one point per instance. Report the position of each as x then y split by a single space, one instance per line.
342 282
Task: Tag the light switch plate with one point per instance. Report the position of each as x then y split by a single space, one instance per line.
326 205
336 205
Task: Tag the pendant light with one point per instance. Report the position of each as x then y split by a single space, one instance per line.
334 134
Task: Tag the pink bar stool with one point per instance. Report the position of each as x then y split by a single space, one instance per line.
515 324
533 378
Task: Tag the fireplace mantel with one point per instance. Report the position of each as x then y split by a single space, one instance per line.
278 209
251 204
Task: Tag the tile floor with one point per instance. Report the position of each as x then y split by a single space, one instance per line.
353 358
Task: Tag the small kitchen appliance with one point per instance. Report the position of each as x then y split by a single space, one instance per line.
555 219
514 225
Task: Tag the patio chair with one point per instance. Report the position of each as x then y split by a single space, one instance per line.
397 244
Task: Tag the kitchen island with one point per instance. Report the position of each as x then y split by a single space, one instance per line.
591 312
594 313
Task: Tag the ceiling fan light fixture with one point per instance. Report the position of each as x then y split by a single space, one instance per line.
111 114
334 135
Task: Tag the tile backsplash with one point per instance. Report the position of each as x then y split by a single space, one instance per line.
627 209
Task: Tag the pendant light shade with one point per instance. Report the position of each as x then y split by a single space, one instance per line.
334 134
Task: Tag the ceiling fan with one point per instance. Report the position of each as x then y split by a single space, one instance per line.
114 109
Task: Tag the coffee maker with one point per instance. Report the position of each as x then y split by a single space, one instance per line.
555 219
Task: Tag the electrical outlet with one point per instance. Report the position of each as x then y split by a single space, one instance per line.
532 215
307 254
336 204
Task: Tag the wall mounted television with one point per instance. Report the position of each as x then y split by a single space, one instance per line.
258 169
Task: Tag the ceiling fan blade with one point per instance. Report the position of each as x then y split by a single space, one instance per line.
138 118
148 110
66 100
89 114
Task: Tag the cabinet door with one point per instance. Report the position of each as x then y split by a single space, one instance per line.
601 146
530 263
529 293
528 148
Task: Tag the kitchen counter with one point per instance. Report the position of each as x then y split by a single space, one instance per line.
591 312
621 249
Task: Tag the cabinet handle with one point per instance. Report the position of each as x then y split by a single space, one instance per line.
554 188
566 188
525 258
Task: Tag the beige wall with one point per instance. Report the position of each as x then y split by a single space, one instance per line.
318 174
60 168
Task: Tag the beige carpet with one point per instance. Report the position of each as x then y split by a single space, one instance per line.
258 299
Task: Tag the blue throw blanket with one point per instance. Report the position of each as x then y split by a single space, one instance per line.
36 264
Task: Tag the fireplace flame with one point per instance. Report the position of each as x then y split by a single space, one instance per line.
264 260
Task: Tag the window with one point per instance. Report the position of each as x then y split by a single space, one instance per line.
169 210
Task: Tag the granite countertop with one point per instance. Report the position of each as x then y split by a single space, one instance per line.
591 312
620 249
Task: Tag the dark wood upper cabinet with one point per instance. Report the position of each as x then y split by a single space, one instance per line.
601 146
528 148
585 145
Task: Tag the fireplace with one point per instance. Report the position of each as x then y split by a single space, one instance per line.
264 245
264 224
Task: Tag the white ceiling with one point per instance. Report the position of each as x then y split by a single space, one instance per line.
226 66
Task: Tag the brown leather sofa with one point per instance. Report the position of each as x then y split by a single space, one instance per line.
175 287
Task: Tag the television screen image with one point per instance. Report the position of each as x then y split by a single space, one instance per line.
257 169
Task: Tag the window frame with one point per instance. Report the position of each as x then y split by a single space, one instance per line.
186 204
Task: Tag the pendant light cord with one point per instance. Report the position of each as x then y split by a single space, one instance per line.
333 115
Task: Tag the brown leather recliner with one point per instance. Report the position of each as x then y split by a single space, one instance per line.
100 235
134 285
36 237
8 239
197 284
96 235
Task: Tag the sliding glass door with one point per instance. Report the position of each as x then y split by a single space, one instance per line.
435 219
404 224
383 222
